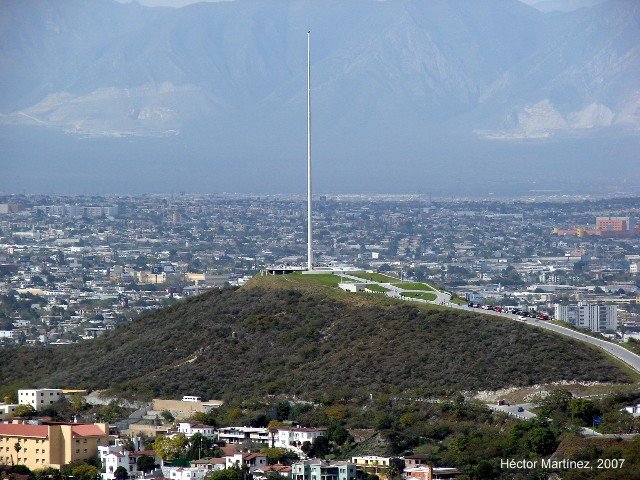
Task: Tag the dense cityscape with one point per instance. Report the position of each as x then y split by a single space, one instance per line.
74 267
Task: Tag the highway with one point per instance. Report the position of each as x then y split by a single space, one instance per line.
443 298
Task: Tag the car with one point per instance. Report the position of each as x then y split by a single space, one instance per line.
520 409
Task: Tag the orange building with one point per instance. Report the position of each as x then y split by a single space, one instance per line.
614 225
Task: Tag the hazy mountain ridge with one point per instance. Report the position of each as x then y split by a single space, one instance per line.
103 68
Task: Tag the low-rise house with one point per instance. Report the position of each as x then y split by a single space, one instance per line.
315 469
411 461
210 464
127 460
251 461
292 438
429 472
373 464
277 469
7 409
244 434
190 429
182 473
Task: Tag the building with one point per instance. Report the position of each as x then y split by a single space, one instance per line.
614 225
292 438
429 472
252 461
185 408
39 397
412 461
50 445
269 470
315 469
127 460
373 464
181 473
190 429
592 316
7 409
210 464
235 435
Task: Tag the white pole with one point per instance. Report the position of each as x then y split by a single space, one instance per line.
309 228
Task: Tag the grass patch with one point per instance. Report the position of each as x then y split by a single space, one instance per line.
422 296
413 286
377 288
458 300
374 277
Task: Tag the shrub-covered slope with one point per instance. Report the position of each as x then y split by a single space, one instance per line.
276 336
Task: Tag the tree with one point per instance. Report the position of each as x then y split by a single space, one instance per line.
338 434
145 463
199 446
121 473
283 409
170 448
233 473
21 470
17 447
582 410
556 402
279 455
85 471
24 411
318 449
167 416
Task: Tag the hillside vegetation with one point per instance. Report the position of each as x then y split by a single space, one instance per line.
296 336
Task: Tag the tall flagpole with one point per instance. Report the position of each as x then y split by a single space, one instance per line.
309 228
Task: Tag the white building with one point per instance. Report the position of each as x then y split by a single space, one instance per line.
592 316
127 460
252 461
181 473
292 438
190 429
39 397
244 434
7 409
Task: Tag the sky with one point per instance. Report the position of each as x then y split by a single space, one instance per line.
569 4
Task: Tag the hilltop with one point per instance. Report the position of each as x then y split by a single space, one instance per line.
294 335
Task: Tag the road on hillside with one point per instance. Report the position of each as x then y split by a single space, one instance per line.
444 298
617 351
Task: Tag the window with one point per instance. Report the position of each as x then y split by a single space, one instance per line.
78 450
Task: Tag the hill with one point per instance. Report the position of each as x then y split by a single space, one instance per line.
297 337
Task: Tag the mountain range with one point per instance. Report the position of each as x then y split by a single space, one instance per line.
226 81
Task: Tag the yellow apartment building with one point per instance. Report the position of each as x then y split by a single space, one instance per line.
50 445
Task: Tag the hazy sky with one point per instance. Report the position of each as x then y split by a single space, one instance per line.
182 3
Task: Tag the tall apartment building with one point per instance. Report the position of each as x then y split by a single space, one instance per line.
50 445
596 317
39 397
